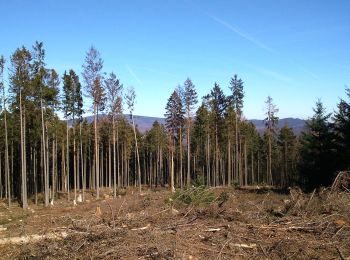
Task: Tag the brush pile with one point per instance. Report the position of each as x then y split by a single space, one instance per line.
196 225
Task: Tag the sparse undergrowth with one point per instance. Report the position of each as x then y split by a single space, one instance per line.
196 223
197 196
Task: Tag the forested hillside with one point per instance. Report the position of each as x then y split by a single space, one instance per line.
203 140
144 123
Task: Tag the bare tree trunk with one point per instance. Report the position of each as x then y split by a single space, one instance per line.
84 172
44 152
97 159
229 162
253 176
82 161
118 158
161 166
122 165
101 153
114 162
240 170
78 165
53 170
245 162
270 163
283 178
1 185
74 161
208 161
7 168
47 181
180 160
35 177
23 169
67 158
237 172
172 184
137 153
56 164
258 177
63 167
216 156
188 153
109 164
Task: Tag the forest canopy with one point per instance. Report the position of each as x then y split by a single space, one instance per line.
205 140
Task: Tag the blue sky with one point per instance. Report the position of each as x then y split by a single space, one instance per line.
296 51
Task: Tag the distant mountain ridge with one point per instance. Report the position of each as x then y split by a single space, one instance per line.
297 124
144 123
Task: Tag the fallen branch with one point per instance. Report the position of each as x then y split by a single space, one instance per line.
219 255
32 238
248 246
342 257
212 230
312 195
142 228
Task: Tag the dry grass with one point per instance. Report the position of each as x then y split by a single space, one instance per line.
250 225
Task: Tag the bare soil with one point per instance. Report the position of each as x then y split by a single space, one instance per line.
251 224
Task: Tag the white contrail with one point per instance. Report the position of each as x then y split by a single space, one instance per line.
256 42
132 73
240 33
270 73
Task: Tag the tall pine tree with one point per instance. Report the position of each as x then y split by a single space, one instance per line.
316 166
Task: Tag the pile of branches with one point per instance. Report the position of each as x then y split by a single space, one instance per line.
341 182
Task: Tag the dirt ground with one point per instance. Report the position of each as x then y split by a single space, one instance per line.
249 224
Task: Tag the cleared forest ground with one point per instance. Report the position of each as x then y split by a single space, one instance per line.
251 224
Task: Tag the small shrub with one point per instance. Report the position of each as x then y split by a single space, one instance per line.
223 197
199 181
235 184
192 196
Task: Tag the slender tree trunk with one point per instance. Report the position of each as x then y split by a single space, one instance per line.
7 168
208 160
47 180
161 177
74 161
180 160
67 158
240 170
101 153
1 184
245 162
122 165
229 162
283 178
63 163
172 183
118 158
84 173
188 153
253 176
53 170
12 165
45 163
114 161
35 177
216 156
23 169
56 183
238 174
258 167
82 160
78 165
97 159
137 154
109 164
270 163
